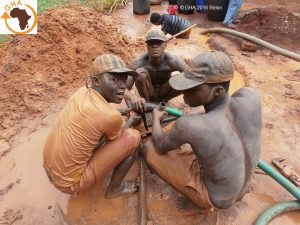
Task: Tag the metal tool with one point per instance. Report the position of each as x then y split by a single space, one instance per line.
287 171
142 207
181 32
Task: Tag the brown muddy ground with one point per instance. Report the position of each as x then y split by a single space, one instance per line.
275 25
40 72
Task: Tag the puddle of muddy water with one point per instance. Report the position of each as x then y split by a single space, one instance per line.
33 194
92 207
36 193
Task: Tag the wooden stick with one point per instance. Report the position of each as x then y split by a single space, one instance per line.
182 32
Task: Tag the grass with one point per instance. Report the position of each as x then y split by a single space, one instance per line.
43 5
3 39
105 5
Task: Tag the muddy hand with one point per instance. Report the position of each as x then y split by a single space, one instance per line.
157 114
134 119
138 104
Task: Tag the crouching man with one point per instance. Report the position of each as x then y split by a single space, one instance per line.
225 140
87 140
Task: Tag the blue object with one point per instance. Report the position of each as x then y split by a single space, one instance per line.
233 8
200 6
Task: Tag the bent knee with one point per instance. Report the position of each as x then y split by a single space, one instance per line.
132 138
142 77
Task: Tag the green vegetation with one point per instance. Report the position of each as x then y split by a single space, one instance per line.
106 5
43 5
3 39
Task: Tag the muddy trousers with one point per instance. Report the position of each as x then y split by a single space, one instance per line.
105 158
181 170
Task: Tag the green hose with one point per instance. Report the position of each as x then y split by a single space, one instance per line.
280 179
275 210
174 112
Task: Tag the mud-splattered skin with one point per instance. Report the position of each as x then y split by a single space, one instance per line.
225 140
157 66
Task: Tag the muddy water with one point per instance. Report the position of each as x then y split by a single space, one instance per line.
91 207
32 190
41 203
31 185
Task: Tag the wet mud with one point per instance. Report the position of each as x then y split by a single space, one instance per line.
27 196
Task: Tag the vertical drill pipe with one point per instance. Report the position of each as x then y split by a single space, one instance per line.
142 195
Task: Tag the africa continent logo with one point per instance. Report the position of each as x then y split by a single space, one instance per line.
19 17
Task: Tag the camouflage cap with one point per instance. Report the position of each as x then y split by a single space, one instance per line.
208 67
112 64
155 35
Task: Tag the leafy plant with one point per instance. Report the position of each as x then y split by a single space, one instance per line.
3 39
106 5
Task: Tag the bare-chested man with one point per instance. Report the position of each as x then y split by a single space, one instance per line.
225 140
154 69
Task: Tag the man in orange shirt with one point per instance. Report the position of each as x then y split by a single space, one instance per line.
88 140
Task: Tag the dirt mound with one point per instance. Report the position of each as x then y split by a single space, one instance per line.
275 25
36 70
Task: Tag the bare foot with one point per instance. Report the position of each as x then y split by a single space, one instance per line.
189 208
126 188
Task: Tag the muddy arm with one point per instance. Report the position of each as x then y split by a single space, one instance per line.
167 141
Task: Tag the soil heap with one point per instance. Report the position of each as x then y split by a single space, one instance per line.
275 25
37 70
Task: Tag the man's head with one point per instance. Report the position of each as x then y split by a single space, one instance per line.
156 43
109 76
207 79
155 18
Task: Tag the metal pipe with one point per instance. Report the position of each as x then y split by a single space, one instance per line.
142 209
181 32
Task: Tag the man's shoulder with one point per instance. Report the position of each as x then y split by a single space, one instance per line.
172 59
166 16
247 94
192 121
140 60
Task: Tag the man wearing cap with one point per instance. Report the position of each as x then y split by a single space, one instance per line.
225 140
87 140
154 69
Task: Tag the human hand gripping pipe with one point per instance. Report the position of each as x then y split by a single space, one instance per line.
150 106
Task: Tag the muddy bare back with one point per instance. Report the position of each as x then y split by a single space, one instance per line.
226 142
